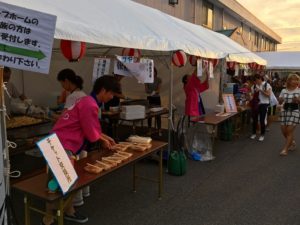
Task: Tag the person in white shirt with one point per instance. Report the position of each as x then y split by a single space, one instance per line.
73 84
262 90
12 91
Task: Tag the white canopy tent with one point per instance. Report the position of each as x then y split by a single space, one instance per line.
281 60
124 23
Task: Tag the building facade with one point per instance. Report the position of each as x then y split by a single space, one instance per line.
224 16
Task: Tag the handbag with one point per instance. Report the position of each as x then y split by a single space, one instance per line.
273 99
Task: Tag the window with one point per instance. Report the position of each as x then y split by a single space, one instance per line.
208 13
249 35
262 46
267 45
241 30
256 39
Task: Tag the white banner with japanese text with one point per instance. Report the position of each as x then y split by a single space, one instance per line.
26 38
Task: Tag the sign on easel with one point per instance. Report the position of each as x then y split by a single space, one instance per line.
26 38
229 103
58 161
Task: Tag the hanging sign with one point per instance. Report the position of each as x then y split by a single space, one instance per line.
229 103
101 67
211 70
143 70
199 68
236 70
58 161
119 66
26 38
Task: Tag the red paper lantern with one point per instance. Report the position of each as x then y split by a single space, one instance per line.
131 52
231 65
179 58
193 60
253 65
72 50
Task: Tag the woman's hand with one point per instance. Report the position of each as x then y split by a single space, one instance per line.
106 144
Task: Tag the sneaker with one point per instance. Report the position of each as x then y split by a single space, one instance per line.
253 136
261 138
86 194
78 203
76 218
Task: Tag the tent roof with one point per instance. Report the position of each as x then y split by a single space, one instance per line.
281 60
124 23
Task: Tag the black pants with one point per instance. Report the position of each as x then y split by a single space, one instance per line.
261 112
154 101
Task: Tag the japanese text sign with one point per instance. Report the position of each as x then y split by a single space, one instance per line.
26 38
101 67
58 161
229 103
143 71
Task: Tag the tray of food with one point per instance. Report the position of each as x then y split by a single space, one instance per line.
24 121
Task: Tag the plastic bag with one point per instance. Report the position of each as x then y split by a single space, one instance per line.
198 139
273 99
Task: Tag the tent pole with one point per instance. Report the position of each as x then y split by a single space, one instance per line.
4 164
170 121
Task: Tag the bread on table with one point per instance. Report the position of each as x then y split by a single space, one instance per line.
138 148
103 165
110 162
92 168
124 153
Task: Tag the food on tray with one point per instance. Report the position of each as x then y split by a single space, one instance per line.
19 121
139 139
103 165
92 168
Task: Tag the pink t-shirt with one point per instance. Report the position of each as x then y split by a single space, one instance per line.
78 123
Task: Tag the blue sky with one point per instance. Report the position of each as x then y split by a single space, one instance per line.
282 16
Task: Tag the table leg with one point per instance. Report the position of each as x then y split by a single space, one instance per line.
160 175
27 210
60 212
214 127
134 178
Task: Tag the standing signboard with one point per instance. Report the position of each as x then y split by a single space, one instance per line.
58 161
26 38
229 103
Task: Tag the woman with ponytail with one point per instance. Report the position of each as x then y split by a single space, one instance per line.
73 84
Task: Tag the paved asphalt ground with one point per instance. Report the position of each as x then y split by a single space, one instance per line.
247 184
